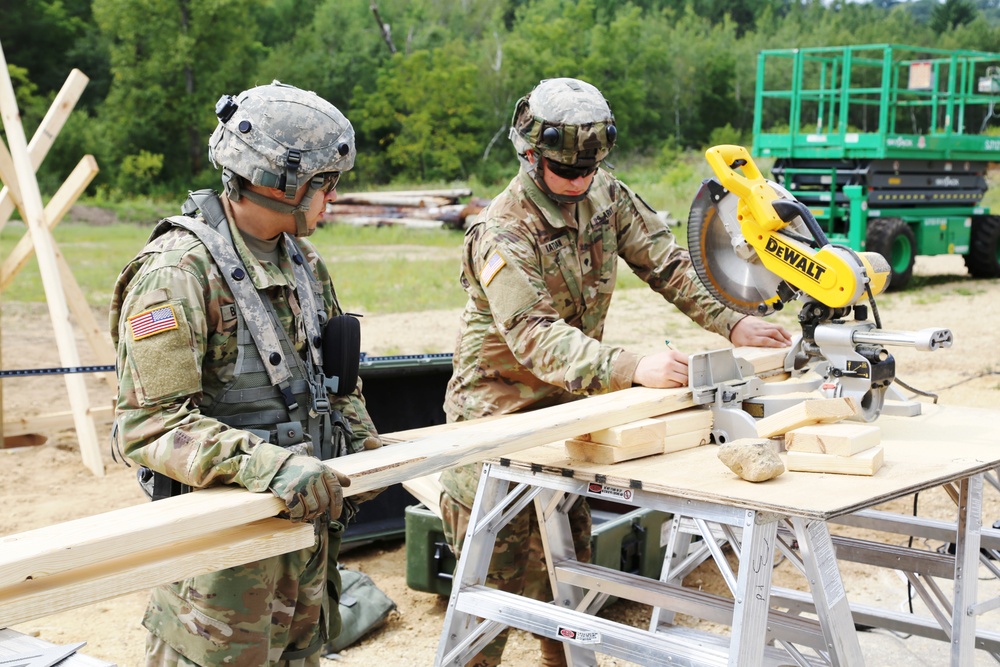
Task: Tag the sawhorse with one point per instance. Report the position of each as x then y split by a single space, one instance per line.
581 588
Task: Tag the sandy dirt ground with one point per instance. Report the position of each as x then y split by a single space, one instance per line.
47 484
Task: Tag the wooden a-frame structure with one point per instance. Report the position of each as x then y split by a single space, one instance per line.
62 293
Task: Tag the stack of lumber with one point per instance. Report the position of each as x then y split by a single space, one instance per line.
432 209
661 434
818 440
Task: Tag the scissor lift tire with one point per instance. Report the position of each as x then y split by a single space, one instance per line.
893 239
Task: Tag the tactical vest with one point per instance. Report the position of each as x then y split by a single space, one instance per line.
274 393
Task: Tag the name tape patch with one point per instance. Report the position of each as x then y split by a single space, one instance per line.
152 322
492 268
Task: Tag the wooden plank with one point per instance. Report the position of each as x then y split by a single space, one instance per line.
47 131
54 295
866 462
639 434
764 360
427 490
843 439
599 452
448 193
390 199
72 544
48 423
681 441
685 421
811 411
104 579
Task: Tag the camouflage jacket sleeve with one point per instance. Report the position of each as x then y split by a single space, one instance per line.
158 423
538 337
652 252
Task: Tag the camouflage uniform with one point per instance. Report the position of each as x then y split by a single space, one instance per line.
273 611
540 276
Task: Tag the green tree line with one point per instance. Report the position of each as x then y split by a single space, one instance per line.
429 85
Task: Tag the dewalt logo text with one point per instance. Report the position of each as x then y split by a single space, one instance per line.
795 259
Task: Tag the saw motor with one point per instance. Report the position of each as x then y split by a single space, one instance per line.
756 248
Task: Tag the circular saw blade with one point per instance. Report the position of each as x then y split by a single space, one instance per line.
735 278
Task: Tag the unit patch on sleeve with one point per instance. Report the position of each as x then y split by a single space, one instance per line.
152 322
492 268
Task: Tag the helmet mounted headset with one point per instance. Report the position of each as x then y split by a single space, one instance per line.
279 136
569 126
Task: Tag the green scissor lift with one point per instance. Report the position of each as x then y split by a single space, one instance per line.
889 147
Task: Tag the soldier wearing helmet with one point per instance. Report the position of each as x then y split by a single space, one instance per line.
539 267
227 375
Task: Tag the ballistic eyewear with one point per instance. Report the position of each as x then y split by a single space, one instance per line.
326 181
567 171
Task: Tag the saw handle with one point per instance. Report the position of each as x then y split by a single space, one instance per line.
789 209
752 188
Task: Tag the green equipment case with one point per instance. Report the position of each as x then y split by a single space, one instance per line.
631 542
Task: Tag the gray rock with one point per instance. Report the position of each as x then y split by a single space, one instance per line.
752 459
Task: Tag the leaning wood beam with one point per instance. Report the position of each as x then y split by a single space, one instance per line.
55 297
46 133
35 598
55 210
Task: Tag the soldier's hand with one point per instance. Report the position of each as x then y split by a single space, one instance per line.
663 370
758 332
309 488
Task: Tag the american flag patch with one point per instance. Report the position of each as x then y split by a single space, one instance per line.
492 268
152 322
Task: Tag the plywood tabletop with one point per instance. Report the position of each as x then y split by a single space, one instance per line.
944 444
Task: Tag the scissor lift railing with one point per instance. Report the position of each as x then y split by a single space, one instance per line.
876 101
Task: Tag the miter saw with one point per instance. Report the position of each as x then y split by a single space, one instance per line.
756 248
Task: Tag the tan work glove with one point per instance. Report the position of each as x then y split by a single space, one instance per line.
309 488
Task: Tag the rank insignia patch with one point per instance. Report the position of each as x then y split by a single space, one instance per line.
492 268
152 322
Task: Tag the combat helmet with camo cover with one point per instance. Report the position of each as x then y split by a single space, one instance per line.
280 136
566 121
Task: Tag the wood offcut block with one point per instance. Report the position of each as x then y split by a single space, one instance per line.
689 440
598 452
810 411
686 421
633 434
867 462
843 439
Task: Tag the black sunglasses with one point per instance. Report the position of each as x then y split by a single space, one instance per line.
569 172
326 181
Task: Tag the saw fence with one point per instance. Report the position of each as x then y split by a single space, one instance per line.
425 209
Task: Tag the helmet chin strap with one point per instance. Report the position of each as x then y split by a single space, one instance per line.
298 212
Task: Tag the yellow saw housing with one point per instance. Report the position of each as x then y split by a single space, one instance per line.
832 275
